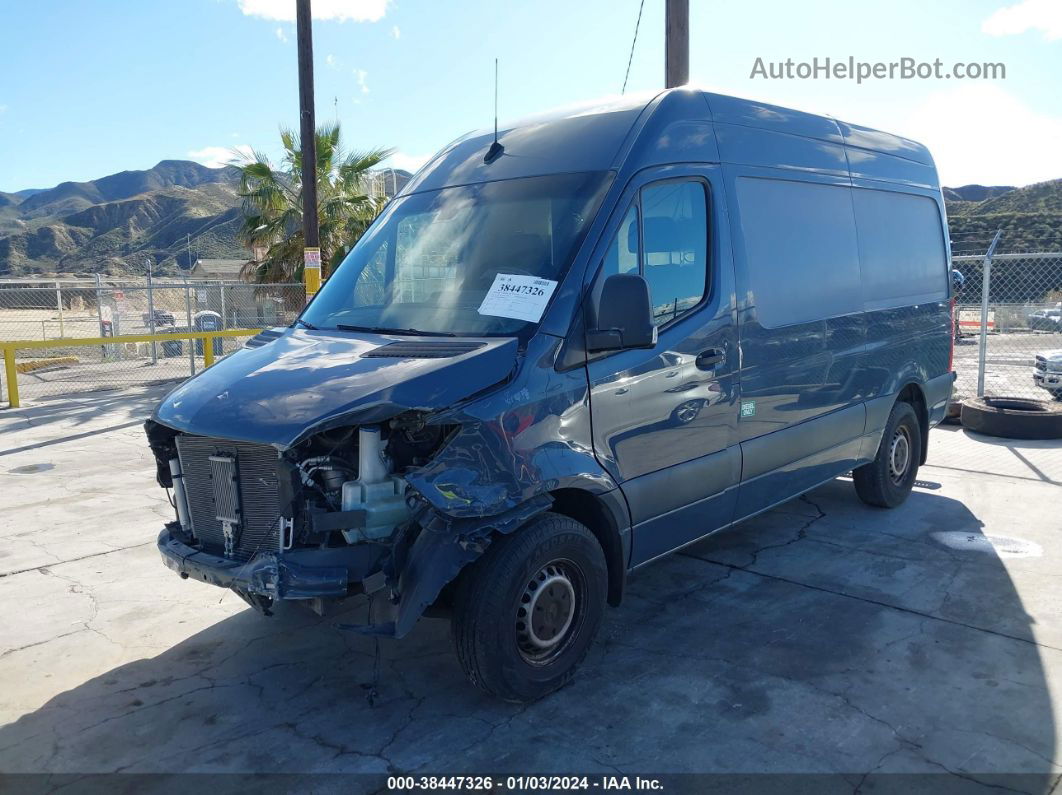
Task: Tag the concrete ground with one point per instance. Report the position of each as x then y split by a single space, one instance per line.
822 637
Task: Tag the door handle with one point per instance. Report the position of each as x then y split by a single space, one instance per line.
623 390
711 358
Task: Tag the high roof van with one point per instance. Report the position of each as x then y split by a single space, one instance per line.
562 353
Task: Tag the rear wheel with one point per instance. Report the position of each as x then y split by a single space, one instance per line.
526 612
887 480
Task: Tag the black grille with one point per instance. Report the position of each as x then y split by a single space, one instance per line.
422 350
1041 364
254 499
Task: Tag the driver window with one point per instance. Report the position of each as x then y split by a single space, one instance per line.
622 255
675 245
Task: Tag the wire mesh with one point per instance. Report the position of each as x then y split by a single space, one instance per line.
70 310
1023 325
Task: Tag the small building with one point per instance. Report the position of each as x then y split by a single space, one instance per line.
218 269
384 183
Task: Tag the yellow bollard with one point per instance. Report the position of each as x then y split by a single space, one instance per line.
208 351
12 377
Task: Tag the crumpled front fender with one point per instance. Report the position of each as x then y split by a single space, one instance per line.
440 551
530 438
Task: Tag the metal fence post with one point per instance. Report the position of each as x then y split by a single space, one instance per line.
99 314
151 313
224 317
188 314
986 281
59 306
12 377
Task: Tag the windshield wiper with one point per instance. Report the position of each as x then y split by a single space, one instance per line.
412 332
310 326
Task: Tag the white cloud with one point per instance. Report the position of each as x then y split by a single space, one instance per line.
406 161
281 35
396 33
1042 15
362 77
981 133
338 10
330 61
218 156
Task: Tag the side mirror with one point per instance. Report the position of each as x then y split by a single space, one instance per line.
624 315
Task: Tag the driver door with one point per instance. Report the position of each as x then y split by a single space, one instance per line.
664 419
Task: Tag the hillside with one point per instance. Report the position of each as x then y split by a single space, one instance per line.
1030 217
112 224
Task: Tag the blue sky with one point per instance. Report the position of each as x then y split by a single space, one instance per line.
95 88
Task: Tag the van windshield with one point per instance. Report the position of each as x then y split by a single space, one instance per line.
429 262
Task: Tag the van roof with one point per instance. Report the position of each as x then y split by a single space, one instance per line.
680 124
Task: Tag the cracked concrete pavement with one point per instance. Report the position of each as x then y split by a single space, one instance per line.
821 637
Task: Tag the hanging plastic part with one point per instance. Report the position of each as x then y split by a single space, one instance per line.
377 492
179 495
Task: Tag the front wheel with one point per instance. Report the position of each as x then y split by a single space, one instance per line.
887 480
526 612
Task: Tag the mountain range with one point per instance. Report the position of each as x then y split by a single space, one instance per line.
116 223
1030 217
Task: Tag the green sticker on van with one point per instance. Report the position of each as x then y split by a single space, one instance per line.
748 408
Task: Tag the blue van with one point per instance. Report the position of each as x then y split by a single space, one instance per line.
559 355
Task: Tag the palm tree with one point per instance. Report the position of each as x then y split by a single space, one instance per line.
272 204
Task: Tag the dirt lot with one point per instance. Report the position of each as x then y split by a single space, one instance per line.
823 637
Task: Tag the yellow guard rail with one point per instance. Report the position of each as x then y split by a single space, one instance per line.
9 348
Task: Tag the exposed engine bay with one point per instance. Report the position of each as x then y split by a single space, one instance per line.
329 517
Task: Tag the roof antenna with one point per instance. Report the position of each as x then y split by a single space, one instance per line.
495 148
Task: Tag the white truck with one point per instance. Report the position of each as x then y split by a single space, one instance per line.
1047 372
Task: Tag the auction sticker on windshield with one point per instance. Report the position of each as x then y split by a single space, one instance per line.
517 296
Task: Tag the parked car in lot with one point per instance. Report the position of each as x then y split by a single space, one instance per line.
1047 372
1046 320
162 318
560 355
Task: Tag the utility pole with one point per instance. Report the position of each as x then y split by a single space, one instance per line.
677 43
311 255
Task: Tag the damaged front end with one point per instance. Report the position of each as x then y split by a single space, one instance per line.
318 466
331 517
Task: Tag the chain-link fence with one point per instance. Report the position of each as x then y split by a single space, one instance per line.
1008 322
77 309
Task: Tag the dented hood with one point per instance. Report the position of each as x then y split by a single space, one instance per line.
305 381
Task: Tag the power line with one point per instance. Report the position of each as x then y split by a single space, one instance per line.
631 58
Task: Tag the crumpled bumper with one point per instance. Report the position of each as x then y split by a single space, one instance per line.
269 574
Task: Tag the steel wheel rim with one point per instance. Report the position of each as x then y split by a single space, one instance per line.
899 455
687 412
546 611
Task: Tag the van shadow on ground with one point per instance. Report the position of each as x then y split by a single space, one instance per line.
821 637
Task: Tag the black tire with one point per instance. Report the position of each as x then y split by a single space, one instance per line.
1013 418
501 654
887 480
